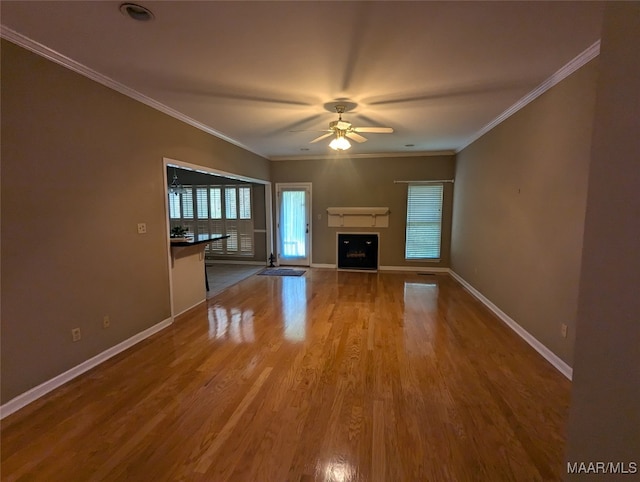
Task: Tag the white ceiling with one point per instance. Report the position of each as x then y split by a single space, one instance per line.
438 73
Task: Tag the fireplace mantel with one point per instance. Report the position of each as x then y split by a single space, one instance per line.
358 217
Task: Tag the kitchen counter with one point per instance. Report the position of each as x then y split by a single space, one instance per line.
202 239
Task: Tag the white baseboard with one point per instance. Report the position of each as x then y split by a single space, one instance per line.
210 262
547 354
35 393
419 269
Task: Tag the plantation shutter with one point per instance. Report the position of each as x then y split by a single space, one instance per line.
245 221
244 197
187 202
216 223
202 202
231 214
174 206
212 210
188 218
216 203
424 221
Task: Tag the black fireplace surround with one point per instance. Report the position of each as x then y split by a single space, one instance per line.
358 251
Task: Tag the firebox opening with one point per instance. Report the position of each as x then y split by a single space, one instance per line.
358 251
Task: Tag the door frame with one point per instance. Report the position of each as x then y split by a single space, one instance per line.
293 185
169 162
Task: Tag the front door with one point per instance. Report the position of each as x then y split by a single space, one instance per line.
294 230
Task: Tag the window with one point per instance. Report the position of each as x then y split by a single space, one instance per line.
424 220
215 210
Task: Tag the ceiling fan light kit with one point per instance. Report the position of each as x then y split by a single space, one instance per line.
340 143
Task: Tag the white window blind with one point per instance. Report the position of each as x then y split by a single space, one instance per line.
424 221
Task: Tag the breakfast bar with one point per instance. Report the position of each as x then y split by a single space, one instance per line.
188 271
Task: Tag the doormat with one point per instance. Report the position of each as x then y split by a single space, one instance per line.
281 272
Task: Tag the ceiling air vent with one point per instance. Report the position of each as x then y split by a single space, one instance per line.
136 12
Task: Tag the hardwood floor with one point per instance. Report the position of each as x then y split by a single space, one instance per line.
332 376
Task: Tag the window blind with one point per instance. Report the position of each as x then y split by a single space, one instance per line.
424 221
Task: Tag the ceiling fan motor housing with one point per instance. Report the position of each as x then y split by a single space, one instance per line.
340 125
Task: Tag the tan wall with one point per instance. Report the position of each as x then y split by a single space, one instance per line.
345 182
81 166
604 422
519 205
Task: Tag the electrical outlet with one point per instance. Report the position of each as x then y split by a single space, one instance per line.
106 322
142 228
75 334
563 330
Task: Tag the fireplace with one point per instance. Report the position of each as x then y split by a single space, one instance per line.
358 251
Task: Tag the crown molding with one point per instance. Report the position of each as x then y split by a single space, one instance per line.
327 156
54 56
573 65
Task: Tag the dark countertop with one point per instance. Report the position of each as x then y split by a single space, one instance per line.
202 239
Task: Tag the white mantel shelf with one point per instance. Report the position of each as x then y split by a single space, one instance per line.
358 217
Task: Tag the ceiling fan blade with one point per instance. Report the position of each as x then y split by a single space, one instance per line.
356 137
378 130
310 130
323 136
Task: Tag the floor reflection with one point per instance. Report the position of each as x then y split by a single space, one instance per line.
339 471
294 307
231 324
421 295
420 309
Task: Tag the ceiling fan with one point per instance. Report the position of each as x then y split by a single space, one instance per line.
343 129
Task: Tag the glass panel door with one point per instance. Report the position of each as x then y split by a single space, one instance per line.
293 224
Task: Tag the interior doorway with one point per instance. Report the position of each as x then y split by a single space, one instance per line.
261 242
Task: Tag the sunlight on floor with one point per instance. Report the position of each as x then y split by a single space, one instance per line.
294 307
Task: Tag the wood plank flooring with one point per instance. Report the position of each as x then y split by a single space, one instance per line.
332 376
